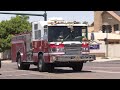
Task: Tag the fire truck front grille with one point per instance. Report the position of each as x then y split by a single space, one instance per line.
72 49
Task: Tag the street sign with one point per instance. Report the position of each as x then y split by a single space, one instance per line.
94 46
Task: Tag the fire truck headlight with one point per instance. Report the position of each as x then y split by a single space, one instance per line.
21 54
53 50
60 50
53 58
57 50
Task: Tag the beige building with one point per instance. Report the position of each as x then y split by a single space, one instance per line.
111 18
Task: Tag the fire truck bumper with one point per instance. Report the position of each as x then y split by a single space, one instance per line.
72 58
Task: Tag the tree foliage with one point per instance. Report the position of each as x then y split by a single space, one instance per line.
11 27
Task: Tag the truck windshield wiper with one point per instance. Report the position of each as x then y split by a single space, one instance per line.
78 38
67 37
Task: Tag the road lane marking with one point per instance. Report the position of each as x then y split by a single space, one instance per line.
9 71
14 75
105 67
45 74
102 71
40 74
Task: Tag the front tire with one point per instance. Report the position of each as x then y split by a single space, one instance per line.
77 67
22 66
41 64
50 68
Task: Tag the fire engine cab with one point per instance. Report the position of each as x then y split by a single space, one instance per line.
53 43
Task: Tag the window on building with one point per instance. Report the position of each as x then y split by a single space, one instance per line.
45 29
36 27
109 28
116 27
106 28
37 34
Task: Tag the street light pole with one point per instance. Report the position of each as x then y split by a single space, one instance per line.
107 30
106 41
43 15
106 25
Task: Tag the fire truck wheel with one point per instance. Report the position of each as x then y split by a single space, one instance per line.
50 68
22 66
77 67
42 67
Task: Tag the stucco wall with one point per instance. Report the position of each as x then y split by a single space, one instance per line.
113 49
101 17
5 55
90 29
109 19
97 20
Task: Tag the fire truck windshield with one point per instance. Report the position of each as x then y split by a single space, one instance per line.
63 33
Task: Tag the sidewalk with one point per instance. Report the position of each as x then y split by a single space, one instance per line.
6 61
100 59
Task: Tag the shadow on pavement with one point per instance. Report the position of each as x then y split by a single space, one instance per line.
33 69
58 71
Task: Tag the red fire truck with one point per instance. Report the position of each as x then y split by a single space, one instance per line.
54 43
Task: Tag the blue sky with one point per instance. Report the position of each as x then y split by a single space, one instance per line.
66 15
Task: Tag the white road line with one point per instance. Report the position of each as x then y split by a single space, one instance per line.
43 74
102 71
37 73
9 71
105 67
14 75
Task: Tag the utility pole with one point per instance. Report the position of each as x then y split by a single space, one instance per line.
45 16
106 30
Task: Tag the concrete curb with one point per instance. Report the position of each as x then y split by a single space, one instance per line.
6 61
105 60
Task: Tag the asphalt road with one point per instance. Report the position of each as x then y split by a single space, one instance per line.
91 70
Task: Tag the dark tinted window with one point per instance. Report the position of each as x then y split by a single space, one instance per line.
35 26
38 34
65 33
